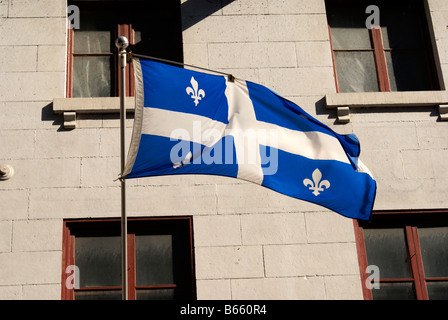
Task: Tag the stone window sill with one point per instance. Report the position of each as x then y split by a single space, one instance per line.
70 107
344 101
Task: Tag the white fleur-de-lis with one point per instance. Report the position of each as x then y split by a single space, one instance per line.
194 92
184 162
316 185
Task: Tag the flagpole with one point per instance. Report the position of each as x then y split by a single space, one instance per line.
122 43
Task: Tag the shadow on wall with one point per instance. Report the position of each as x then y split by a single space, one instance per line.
194 11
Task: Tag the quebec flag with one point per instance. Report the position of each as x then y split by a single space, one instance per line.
189 122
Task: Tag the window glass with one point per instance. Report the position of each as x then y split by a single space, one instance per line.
434 249
437 290
95 34
92 76
400 28
356 71
154 259
155 294
386 248
98 295
394 291
403 77
99 261
348 30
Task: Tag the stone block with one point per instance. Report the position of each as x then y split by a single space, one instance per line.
217 230
66 144
33 31
14 203
4 8
438 5
311 27
314 54
229 262
326 227
343 287
385 164
229 29
213 290
245 7
432 135
383 136
299 82
37 235
196 54
311 259
32 86
51 58
240 28
18 58
54 203
171 200
17 144
285 228
252 198
296 6
24 115
10 292
439 22
42 292
418 164
5 236
100 172
106 202
110 141
252 55
303 288
43 173
23 268
442 48
37 8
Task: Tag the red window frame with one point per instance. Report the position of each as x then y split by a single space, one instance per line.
378 47
411 221
186 289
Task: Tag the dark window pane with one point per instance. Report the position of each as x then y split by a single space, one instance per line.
98 295
434 248
400 28
154 259
155 294
356 71
437 290
394 291
98 260
348 30
407 71
386 248
95 34
92 76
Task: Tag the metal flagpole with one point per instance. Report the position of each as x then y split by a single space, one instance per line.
122 43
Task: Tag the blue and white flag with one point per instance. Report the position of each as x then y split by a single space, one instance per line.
189 122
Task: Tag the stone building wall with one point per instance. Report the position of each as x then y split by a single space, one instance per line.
250 242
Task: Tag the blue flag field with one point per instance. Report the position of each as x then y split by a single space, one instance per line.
188 122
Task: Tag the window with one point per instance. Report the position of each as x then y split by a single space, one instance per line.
152 27
410 252
397 56
160 259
